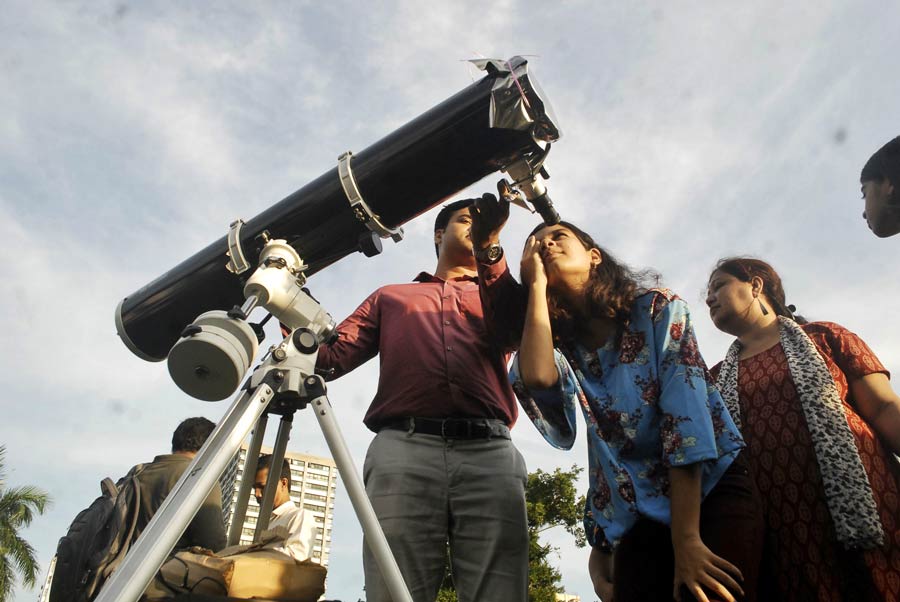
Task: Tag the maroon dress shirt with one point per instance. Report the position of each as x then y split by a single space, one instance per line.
437 358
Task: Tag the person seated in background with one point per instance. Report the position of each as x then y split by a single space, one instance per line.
880 179
292 530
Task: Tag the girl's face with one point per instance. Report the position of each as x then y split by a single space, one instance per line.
730 301
567 263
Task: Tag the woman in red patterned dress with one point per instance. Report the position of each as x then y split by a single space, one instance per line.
821 423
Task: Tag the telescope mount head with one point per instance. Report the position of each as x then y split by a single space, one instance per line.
216 350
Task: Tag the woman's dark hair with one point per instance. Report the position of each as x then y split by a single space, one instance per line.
611 291
746 269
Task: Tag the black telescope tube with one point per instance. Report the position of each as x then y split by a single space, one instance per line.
404 174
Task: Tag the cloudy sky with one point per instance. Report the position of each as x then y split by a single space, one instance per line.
132 134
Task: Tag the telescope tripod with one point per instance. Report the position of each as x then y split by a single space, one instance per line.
287 379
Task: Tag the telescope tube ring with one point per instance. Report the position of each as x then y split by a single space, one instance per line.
237 263
360 209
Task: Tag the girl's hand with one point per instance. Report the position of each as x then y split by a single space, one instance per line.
532 267
696 566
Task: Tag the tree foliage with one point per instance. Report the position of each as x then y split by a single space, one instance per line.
551 500
18 507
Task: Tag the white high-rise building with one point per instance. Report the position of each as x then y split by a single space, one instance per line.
313 485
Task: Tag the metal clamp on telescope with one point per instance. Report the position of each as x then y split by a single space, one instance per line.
237 263
361 210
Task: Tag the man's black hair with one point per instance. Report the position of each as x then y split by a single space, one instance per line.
191 434
884 164
265 461
444 215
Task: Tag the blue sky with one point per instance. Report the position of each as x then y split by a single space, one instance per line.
132 134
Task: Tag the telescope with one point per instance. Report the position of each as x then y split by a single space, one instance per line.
196 314
502 122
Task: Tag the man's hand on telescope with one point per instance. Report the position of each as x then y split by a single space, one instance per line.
489 215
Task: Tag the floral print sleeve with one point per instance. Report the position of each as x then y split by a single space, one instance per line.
551 410
694 423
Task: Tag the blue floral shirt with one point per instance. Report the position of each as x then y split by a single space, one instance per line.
649 404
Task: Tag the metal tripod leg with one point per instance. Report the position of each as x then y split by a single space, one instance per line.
243 499
248 478
268 500
378 544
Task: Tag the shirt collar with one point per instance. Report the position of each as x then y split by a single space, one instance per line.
426 277
285 507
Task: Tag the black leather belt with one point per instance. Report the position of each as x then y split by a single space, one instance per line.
451 428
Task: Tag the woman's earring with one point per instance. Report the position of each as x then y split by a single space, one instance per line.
765 311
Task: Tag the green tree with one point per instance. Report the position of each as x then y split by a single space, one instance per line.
551 500
18 506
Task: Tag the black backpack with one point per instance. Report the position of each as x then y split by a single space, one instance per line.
97 540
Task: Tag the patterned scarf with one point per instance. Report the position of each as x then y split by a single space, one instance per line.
847 489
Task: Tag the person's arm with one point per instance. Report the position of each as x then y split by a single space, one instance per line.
600 568
695 564
541 377
871 394
879 406
357 341
537 366
502 297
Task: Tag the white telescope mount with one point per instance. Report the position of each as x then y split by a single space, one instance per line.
208 362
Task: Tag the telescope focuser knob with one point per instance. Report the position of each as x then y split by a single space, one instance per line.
190 330
258 329
236 313
369 243
305 340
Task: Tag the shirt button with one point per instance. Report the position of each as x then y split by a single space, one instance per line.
449 348
447 322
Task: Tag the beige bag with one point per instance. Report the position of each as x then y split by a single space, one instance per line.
260 573
195 570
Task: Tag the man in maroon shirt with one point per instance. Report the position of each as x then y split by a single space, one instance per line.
441 469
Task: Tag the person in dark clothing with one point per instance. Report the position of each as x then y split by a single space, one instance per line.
207 529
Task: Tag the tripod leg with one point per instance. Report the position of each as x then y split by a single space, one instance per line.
268 501
315 389
243 499
149 552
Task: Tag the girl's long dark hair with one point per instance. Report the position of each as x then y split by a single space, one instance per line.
746 269
611 290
